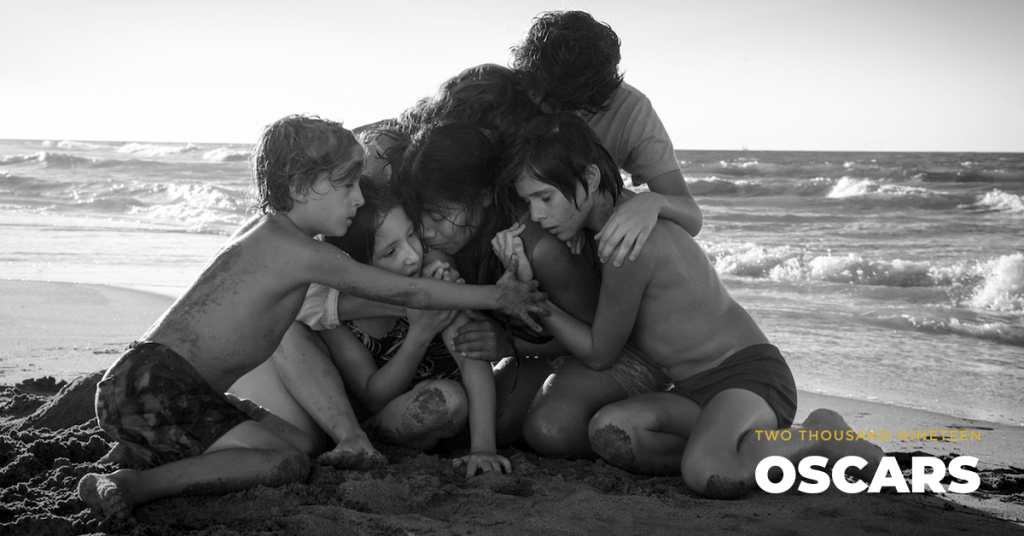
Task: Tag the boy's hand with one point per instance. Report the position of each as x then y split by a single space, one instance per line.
626 231
507 243
483 462
519 299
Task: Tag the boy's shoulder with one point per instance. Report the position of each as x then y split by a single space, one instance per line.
278 234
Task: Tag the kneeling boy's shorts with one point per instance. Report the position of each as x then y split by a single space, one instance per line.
158 406
760 369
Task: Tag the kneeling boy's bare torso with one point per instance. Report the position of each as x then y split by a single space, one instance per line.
238 309
687 321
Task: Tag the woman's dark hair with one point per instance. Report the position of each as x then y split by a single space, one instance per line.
358 242
454 163
556 149
571 59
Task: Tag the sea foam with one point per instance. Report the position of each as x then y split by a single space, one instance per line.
1003 287
1000 201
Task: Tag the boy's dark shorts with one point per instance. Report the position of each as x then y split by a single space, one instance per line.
159 407
760 369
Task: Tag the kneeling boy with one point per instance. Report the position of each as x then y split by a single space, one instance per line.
730 381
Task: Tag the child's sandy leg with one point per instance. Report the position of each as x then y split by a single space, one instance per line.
354 452
102 493
433 410
645 433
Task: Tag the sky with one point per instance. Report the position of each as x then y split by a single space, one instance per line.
858 75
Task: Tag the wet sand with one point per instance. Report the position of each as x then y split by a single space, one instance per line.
54 338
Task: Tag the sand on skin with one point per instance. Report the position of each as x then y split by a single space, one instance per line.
44 451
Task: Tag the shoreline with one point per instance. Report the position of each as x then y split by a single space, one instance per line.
147 303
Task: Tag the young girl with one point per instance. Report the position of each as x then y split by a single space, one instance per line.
397 370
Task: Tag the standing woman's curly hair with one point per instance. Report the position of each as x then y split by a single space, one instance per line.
292 153
571 60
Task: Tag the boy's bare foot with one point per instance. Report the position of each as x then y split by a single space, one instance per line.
826 419
101 492
355 453
118 454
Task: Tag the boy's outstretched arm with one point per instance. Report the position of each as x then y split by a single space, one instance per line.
626 232
325 264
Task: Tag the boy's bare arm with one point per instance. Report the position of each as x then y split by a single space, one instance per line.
325 264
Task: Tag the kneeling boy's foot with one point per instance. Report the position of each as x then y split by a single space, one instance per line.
826 419
101 493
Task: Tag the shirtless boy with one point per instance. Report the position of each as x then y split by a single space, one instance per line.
164 398
729 380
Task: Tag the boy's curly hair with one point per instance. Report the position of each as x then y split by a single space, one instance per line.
571 59
292 153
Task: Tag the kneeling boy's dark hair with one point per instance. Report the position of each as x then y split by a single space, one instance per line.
556 149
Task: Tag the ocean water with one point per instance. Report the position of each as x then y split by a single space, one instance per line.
893 277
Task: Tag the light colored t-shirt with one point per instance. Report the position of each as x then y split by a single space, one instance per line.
320 309
634 135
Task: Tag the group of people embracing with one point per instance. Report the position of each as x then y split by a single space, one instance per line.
469 276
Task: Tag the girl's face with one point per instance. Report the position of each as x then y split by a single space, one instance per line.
396 247
447 227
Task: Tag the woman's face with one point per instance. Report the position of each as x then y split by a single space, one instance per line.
447 227
396 247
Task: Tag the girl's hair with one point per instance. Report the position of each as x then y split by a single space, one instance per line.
292 153
556 149
570 58
453 163
358 242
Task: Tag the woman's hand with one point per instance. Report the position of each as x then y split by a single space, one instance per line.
506 244
482 339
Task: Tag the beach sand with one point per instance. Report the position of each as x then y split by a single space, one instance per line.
54 338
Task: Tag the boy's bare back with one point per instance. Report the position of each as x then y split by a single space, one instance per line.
686 322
